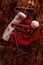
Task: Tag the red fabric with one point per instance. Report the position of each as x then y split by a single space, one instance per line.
20 37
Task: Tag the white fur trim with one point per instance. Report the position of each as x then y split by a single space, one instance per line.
7 32
18 18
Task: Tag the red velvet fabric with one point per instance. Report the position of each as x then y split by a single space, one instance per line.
25 39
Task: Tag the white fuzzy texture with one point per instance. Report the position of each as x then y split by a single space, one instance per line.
18 18
35 24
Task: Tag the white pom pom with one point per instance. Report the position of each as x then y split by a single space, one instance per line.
35 24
